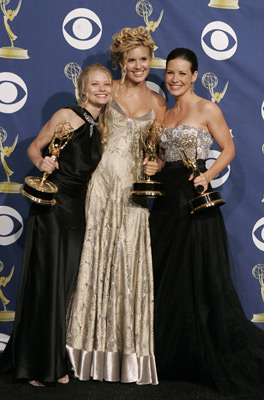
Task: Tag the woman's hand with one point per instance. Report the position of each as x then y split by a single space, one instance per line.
200 180
48 165
150 167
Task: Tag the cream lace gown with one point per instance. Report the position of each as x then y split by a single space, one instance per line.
110 317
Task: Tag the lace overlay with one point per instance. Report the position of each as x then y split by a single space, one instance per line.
170 142
110 318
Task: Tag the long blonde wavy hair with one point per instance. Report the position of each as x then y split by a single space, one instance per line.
83 81
126 40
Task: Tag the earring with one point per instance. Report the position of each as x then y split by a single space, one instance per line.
192 88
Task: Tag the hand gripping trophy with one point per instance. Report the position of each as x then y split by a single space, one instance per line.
188 153
40 190
147 187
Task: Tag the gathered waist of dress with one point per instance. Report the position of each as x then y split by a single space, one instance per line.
72 189
179 164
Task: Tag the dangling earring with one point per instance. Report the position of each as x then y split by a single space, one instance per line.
192 88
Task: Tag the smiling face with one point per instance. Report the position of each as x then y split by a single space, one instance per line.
98 89
179 77
138 64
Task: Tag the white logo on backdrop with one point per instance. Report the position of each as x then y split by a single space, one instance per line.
82 28
220 179
259 243
9 92
11 225
3 340
262 110
222 38
155 88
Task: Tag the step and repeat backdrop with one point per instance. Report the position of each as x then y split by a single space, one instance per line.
44 45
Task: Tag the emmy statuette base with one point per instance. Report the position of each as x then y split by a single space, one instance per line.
14 53
150 189
258 318
10 187
7 316
205 201
39 192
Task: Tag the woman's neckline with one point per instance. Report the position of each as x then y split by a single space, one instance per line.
187 126
125 114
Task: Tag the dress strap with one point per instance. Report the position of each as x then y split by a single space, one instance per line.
85 115
149 96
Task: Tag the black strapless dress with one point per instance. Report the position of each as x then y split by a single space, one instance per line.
201 332
53 244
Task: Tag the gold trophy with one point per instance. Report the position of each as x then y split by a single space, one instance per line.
258 273
188 153
230 4
9 15
147 187
40 190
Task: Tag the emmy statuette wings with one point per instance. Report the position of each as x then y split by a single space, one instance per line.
147 187
40 190
188 153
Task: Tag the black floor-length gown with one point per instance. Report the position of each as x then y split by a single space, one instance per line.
201 332
53 244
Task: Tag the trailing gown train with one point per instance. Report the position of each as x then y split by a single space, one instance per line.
110 318
53 244
201 332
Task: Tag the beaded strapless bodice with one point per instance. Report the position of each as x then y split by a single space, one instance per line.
171 141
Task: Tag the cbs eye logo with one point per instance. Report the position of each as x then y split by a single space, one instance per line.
82 23
13 92
155 88
262 110
11 225
258 234
219 40
223 176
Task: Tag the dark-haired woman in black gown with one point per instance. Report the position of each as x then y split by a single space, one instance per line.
201 332
36 350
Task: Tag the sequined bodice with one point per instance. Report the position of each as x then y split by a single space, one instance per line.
170 142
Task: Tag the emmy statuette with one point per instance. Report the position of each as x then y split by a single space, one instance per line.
188 153
40 190
147 187
229 4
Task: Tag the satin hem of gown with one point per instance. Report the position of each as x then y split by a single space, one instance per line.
113 367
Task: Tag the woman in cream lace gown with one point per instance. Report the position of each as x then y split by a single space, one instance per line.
110 318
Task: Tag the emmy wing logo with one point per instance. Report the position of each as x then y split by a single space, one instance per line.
5 314
144 9
230 4
210 81
9 16
5 152
72 71
258 273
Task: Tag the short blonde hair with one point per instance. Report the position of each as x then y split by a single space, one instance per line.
83 81
126 40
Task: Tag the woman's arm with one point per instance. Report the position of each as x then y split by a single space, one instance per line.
218 128
43 139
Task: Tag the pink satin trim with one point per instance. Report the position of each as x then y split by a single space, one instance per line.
113 367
